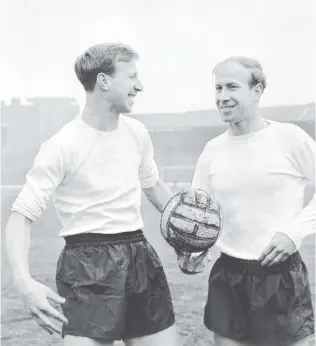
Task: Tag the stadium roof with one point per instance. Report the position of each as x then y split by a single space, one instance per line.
211 118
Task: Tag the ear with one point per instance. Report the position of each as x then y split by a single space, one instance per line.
257 90
103 81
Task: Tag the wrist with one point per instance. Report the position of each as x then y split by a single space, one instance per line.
295 238
22 282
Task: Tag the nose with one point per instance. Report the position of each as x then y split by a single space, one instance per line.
138 86
223 95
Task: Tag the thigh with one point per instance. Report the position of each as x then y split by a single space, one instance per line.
71 340
222 341
282 311
149 302
166 337
93 280
226 306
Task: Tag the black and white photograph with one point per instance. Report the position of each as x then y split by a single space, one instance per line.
158 169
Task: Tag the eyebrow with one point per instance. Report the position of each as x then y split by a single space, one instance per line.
227 84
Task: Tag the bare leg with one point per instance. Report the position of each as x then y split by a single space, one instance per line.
308 341
166 337
71 340
221 341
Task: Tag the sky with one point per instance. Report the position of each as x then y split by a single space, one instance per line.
179 43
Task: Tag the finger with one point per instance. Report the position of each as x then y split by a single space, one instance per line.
195 255
49 310
45 322
187 271
50 331
266 252
182 255
270 257
55 297
177 251
204 254
186 260
279 258
42 325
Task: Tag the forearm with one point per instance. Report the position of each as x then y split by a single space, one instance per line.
158 195
17 247
303 225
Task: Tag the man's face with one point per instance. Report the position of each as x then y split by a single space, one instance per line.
235 99
123 86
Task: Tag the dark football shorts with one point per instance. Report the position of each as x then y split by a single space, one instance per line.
269 305
115 287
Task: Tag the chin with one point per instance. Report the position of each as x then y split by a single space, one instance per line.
125 109
227 118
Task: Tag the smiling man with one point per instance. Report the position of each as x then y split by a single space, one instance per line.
110 281
258 288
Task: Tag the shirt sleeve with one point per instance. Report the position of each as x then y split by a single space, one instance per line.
41 181
148 171
201 174
304 157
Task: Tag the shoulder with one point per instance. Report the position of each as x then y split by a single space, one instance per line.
291 134
136 130
74 132
134 125
67 137
211 147
216 142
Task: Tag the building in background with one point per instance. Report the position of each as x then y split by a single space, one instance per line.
178 138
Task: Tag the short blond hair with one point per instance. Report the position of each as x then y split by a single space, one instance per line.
257 74
101 58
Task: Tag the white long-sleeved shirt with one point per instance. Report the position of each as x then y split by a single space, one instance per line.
259 180
94 177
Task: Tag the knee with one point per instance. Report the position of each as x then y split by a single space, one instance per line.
222 341
71 340
168 337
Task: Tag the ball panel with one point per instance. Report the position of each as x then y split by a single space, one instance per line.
175 239
184 225
207 233
204 217
187 212
188 243
170 206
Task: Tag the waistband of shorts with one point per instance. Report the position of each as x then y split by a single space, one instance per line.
96 239
254 267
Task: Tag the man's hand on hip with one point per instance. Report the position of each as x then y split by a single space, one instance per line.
280 248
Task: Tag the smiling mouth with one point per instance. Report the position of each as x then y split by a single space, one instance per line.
227 108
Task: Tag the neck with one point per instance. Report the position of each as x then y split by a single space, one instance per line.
99 114
251 124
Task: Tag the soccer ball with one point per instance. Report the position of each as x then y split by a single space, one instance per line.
191 221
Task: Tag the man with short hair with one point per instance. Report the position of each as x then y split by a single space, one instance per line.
110 281
257 170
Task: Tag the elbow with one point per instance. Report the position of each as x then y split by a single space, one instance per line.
16 223
152 192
